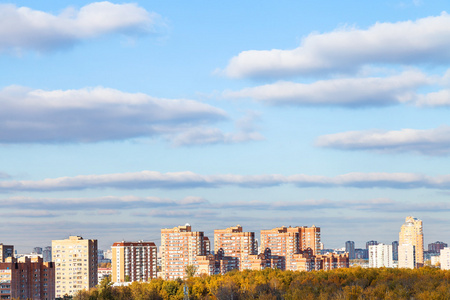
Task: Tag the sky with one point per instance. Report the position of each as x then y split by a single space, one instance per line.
118 119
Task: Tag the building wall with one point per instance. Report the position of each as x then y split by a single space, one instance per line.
445 258
27 279
350 249
237 246
180 247
6 251
135 261
380 256
406 256
76 265
411 233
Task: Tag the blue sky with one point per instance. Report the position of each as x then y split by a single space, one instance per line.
118 119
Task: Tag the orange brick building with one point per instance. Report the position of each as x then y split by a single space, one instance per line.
27 278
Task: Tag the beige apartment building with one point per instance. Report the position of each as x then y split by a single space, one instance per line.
6 251
237 245
133 261
411 233
76 265
180 247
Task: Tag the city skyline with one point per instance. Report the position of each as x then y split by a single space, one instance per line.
121 118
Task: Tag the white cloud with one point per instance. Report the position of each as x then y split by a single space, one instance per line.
435 99
112 203
425 40
23 28
342 91
428 142
95 114
189 180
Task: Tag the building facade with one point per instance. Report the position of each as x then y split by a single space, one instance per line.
411 233
237 246
380 256
407 256
445 258
133 261
180 247
76 265
350 249
27 278
436 247
6 251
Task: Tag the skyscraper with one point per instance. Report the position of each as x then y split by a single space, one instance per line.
133 261
76 265
380 256
180 247
395 250
411 233
350 249
237 245
6 251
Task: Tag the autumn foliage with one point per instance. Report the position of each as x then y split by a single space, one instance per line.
352 283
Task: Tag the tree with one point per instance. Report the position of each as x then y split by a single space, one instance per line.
190 270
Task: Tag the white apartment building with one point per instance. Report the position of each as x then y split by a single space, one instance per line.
406 256
380 256
445 258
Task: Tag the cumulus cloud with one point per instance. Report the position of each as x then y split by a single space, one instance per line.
95 114
424 41
23 28
427 142
435 99
188 180
342 91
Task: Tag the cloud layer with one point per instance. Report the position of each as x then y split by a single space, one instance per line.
428 142
342 92
96 114
424 41
188 180
22 28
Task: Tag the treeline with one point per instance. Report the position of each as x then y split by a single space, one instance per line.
352 283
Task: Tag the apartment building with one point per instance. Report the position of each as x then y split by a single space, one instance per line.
133 261
445 258
27 278
6 251
407 256
411 233
237 245
180 247
76 266
380 255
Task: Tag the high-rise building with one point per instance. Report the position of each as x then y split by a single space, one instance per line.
180 247
406 256
133 261
310 239
37 250
6 251
350 249
283 242
47 254
395 250
411 233
371 243
27 278
380 256
76 265
237 245
436 247
445 258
